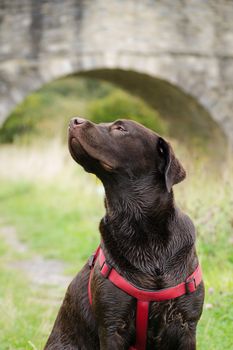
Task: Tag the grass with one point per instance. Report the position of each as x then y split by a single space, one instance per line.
56 215
56 220
25 317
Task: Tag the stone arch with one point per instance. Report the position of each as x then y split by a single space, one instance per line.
183 43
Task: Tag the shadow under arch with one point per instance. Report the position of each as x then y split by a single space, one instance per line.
187 120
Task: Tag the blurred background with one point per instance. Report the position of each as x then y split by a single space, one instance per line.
166 64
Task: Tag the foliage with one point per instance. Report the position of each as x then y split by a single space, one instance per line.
46 113
20 123
118 105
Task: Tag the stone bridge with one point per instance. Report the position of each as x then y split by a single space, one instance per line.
181 44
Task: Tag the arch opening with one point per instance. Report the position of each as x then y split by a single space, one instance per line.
186 120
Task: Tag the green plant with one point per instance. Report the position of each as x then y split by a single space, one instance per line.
119 104
46 113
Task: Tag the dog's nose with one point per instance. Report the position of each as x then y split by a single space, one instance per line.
77 121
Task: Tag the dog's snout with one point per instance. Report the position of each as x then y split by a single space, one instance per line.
77 121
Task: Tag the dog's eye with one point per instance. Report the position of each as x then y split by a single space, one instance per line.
161 151
119 128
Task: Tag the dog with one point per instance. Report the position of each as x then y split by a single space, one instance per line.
145 239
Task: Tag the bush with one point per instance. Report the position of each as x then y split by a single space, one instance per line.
119 104
24 119
46 113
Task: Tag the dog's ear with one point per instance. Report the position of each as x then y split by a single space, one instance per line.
170 166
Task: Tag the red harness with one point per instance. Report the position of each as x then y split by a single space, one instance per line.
144 297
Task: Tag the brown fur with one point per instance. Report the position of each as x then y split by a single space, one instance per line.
145 237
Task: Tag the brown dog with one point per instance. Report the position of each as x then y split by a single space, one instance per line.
145 238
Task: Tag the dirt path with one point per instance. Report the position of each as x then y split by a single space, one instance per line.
39 270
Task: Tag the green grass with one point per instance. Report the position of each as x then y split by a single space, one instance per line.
209 201
54 219
24 314
58 218
57 221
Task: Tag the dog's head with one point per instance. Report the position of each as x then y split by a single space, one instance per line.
123 148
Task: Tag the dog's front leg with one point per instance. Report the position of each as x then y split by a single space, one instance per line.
114 313
115 329
111 340
178 338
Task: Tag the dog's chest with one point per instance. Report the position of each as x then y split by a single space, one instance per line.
161 315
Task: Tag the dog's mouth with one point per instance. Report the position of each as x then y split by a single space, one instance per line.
76 150
82 156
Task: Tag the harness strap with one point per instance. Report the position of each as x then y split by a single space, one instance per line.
189 286
142 317
91 263
144 297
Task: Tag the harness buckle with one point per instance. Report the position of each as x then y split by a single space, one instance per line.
190 285
91 261
105 269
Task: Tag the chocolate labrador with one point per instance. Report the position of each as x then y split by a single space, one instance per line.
145 239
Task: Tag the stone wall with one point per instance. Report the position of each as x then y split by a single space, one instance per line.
188 43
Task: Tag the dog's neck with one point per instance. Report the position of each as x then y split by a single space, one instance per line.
137 220
139 201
